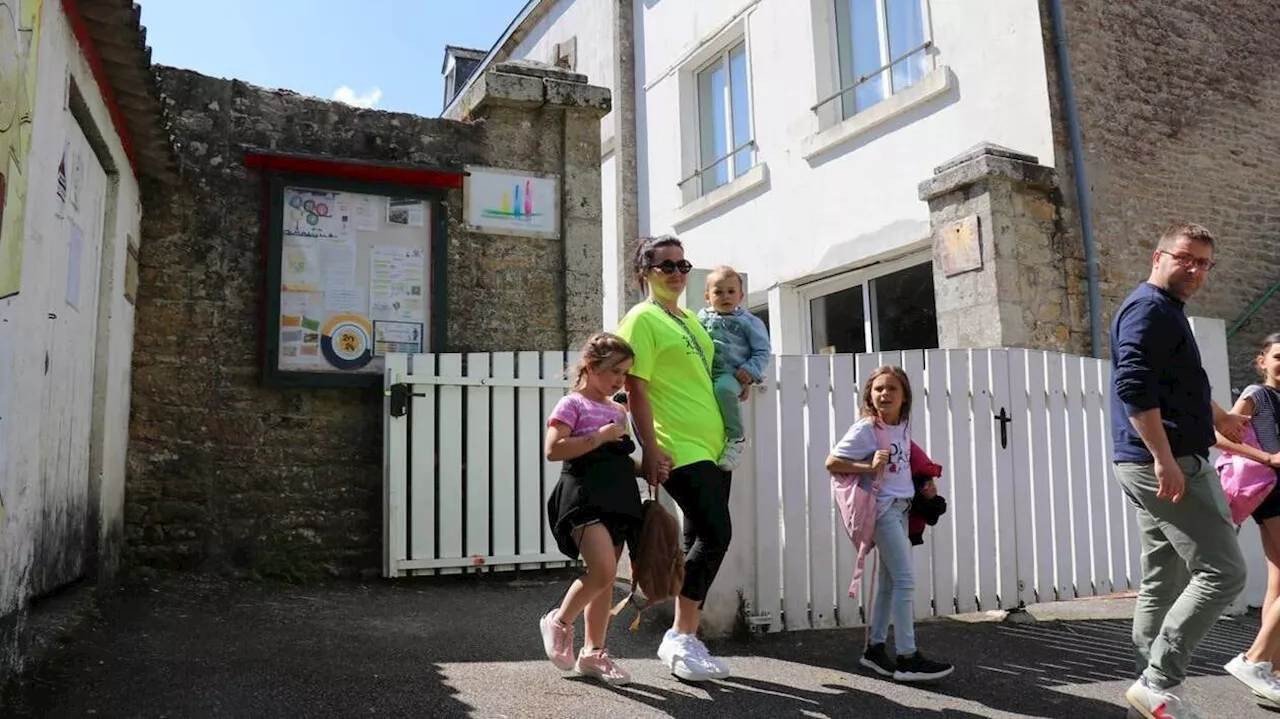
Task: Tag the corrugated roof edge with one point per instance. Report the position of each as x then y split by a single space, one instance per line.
121 58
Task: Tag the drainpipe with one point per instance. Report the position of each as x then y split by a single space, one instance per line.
626 164
1083 200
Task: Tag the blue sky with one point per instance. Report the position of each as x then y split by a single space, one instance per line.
383 53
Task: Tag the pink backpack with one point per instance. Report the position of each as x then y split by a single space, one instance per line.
1245 481
855 496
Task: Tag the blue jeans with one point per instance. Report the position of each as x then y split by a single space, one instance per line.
727 391
896 583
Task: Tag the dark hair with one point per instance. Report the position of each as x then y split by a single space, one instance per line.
1267 342
1190 230
868 408
646 247
599 350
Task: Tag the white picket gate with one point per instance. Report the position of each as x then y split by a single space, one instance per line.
465 479
1033 514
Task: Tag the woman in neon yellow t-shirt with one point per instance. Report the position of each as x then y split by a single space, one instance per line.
678 423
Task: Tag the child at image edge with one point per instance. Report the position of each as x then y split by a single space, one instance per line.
741 354
886 406
595 507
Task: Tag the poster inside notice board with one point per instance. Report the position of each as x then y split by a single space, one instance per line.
354 280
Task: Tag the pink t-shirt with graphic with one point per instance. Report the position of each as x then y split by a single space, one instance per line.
586 416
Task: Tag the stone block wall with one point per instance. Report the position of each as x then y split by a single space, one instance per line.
222 471
1177 104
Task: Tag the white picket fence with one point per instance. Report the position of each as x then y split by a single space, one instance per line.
465 480
1033 514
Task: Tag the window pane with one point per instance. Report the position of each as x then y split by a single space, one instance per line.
741 96
712 125
906 317
844 51
839 322
906 31
865 36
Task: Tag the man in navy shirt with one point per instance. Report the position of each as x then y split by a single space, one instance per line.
1163 422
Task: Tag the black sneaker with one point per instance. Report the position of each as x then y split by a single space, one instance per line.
877 659
915 668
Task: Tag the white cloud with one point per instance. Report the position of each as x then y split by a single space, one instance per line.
346 95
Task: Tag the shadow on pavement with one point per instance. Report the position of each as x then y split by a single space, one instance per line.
195 646
201 647
1024 668
977 650
752 697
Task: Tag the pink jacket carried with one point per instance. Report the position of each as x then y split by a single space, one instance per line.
1245 481
855 497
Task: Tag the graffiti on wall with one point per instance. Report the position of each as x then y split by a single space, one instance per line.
19 35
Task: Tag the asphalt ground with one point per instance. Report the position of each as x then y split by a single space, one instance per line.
199 646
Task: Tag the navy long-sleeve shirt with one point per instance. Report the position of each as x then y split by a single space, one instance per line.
1155 363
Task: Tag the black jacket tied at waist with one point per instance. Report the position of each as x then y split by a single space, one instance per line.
598 486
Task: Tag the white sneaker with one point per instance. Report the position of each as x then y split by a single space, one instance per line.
1258 676
732 454
1155 703
719 670
688 659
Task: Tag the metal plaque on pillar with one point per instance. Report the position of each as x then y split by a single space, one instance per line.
960 246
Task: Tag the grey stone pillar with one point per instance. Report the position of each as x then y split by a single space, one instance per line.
998 269
626 159
543 118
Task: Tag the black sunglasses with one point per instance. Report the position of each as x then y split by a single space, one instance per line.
667 267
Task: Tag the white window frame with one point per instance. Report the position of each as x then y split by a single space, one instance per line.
729 153
694 200
839 91
846 280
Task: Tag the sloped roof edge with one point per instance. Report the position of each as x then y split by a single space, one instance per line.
520 26
111 35
462 52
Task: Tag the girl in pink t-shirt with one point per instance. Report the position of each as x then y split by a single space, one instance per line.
595 507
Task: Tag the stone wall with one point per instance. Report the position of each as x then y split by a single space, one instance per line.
1177 106
223 471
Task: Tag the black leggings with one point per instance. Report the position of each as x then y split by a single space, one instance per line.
701 490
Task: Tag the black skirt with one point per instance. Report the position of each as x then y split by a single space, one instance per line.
600 486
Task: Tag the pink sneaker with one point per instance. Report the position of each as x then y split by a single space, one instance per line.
600 665
557 640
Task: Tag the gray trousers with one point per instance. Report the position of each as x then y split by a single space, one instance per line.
1192 567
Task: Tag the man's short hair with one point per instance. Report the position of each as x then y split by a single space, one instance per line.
1190 230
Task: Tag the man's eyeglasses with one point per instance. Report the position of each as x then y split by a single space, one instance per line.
668 267
1189 261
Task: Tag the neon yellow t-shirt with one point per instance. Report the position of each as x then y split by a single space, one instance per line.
686 418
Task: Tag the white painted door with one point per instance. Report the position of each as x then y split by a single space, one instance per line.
74 250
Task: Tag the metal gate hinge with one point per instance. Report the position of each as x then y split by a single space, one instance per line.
399 394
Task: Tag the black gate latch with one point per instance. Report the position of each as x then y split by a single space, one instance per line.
399 394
